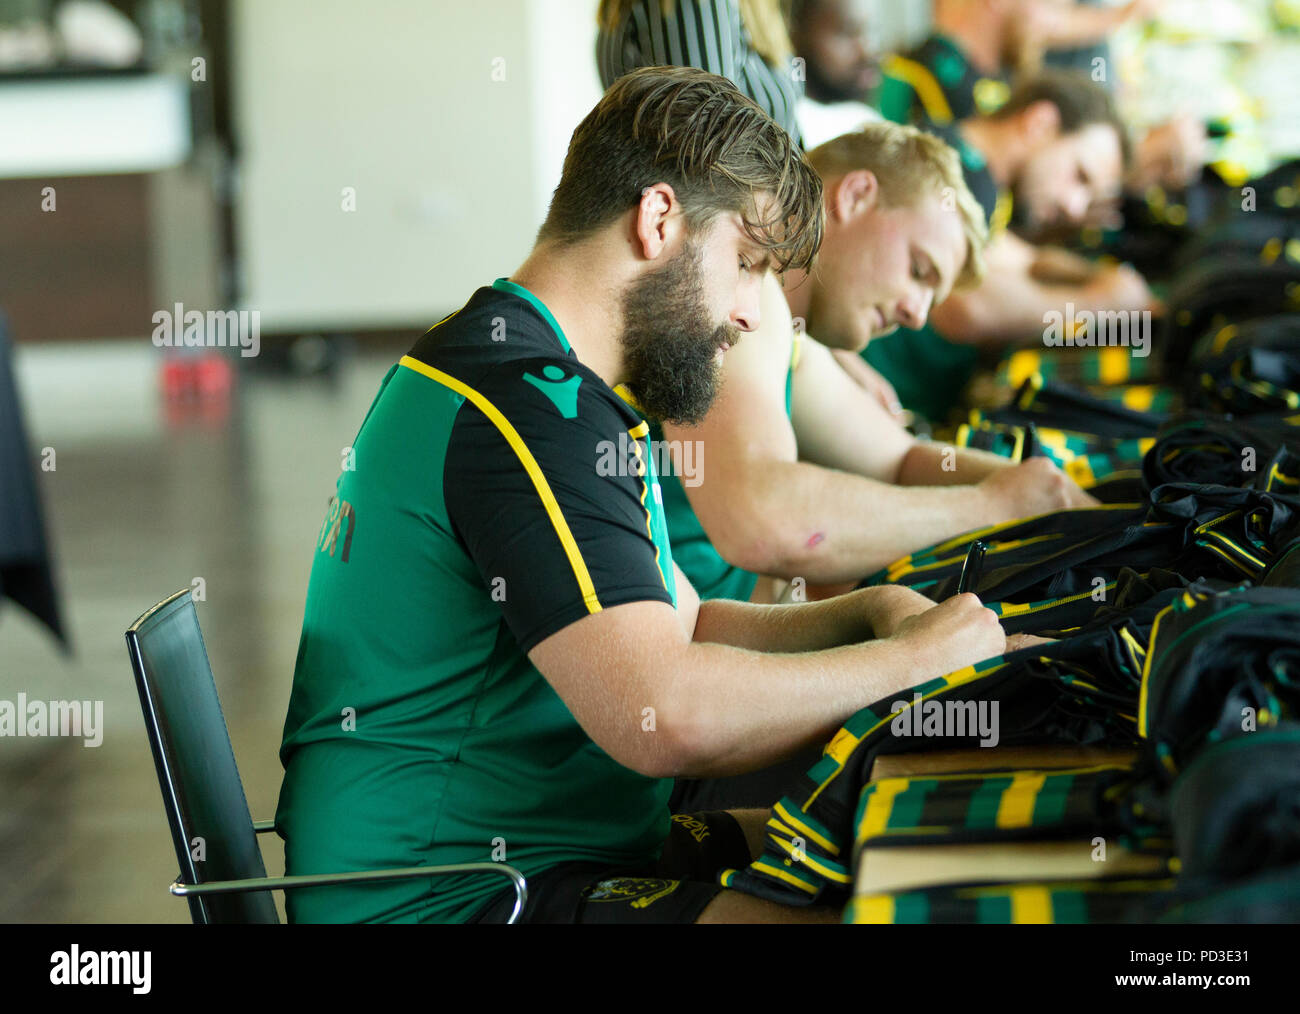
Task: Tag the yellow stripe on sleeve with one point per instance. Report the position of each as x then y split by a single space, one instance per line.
516 442
926 86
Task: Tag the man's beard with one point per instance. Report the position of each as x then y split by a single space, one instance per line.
670 346
827 91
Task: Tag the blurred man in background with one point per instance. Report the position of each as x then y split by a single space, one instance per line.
966 65
1056 149
970 61
834 40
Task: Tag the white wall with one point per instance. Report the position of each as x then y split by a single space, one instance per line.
566 84
453 169
901 24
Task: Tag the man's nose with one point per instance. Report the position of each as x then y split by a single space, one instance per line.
747 316
1077 205
915 309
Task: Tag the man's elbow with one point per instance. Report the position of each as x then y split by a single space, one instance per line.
961 319
762 543
672 745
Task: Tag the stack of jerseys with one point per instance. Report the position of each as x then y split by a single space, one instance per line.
1230 283
1058 571
1061 406
1205 683
1108 468
1246 369
1254 452
1165 229
1111 373
1253 368
1097 440
1161 647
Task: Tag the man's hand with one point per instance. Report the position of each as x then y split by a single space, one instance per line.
890 606
1119 287
1019 642
1171 155
953 635
870 381
1032 488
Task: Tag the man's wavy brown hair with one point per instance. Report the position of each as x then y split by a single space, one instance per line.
702 136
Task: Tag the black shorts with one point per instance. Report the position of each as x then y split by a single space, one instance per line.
676 889
758 790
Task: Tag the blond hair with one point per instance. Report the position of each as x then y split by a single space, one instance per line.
763 19
909 165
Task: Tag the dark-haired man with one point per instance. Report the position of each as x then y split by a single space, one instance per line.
835 41
499 658
836 47
1053 151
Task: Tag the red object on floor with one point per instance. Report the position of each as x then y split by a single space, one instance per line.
213 376
178 379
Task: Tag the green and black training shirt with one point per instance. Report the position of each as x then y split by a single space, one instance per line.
937 82
499 491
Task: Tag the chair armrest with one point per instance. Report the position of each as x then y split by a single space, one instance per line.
357 877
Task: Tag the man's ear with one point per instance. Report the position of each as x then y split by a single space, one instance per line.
652 226
1040 122
854 194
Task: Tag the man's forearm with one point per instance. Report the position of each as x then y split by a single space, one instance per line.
805 626
829 527
1056 265
752 715
931 464
1016 310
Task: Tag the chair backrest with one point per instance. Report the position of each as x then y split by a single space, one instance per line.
201 789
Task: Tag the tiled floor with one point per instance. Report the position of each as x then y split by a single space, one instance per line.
138 506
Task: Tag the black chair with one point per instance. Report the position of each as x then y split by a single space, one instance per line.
201 788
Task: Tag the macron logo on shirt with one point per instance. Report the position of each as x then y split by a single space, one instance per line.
562 392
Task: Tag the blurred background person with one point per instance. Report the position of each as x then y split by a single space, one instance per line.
966 64
836 45
1052 152
745 41
970 60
